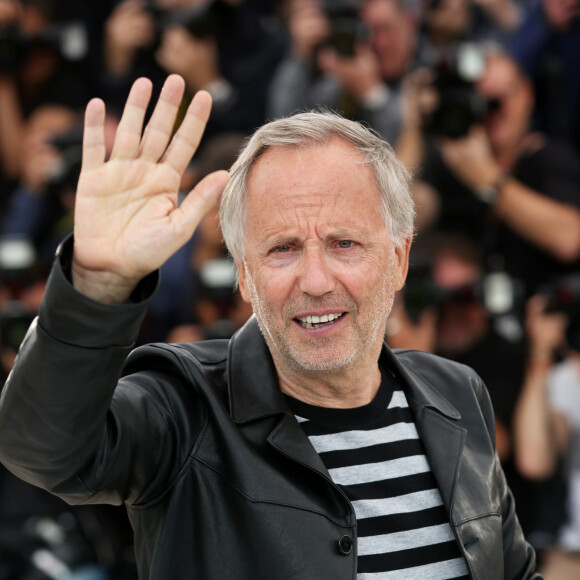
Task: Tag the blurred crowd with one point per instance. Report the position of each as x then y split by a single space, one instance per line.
481 101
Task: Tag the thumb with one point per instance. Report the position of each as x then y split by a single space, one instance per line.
203 197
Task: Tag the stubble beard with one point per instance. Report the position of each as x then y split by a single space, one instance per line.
326 353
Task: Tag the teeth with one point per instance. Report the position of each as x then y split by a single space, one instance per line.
309 320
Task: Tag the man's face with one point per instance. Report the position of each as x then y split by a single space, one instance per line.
320 269
463 320
508 121
447 20
392 36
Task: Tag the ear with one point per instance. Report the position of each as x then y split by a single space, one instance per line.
402 254
243 281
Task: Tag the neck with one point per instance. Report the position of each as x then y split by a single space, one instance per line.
339 388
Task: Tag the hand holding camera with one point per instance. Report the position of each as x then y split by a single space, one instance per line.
358 74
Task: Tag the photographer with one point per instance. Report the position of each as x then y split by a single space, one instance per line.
448 308
350 59
226 47
40 208
40 56
547 421
513 191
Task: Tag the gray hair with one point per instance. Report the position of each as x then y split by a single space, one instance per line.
312 128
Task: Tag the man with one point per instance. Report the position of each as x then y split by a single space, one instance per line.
547 420
218 449
362 81
511 190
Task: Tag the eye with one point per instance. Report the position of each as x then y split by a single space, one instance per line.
282 249
345 243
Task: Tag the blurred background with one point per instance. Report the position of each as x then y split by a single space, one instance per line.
481 101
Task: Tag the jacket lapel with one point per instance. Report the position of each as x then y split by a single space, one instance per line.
254 393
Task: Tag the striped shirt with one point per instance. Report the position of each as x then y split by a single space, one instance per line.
375 455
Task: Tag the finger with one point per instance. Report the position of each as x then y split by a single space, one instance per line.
202 198
188 136
129 130
94 135
159 129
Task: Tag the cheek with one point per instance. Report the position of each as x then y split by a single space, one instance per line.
273 285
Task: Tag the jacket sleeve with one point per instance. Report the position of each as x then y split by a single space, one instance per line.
518 555
67 424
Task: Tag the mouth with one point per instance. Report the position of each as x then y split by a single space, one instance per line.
313 321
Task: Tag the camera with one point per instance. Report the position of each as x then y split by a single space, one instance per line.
459 105
563 296
496 291
217 286
347 30
420 292
69 41
66 174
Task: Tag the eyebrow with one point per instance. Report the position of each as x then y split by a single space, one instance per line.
279 239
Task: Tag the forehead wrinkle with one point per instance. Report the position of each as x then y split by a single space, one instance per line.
299 203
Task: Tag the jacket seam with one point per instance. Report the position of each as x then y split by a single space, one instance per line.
478 517
270 502
189 454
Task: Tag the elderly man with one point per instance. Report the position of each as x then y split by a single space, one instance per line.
302 448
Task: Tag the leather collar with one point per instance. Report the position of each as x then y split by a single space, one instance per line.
253 382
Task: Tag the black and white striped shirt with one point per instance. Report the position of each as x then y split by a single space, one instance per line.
375 455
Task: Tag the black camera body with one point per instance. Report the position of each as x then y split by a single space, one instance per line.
12 48
347 30
70 146
69 41
497 292
459 105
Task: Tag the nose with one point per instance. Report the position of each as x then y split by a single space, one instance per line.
316 277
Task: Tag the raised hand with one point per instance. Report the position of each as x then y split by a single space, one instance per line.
127 221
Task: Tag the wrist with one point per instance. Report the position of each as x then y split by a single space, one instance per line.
540 360
490 192
538 366
104 287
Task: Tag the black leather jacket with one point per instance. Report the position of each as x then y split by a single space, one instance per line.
219 480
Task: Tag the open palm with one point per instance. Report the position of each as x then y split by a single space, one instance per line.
127 221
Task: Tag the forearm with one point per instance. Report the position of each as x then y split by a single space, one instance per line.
11 124
535 446
55 403
505 13
551 225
